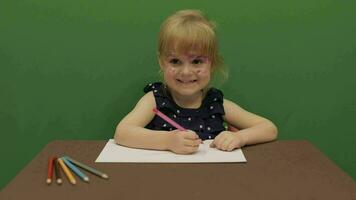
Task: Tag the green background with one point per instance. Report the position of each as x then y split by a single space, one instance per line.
72 69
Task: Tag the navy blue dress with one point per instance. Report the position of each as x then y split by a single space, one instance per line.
207 121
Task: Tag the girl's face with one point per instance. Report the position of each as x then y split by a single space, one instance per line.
186 75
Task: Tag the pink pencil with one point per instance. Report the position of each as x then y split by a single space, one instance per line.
167 119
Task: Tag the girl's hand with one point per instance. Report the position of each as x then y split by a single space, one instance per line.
228 141
183 142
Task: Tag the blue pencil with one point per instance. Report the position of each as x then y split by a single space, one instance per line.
75 170
86 167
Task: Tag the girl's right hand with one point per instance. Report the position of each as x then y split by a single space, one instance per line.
183 142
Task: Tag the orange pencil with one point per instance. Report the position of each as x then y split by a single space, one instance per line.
50 170
67 172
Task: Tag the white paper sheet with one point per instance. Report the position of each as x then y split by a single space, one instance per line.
113 152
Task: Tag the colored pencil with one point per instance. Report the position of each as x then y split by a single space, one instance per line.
167 119
85 167
57 171
50 170
75 170
67 172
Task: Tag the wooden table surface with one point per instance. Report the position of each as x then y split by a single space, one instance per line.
283 169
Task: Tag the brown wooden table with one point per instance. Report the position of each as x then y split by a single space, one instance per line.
278 170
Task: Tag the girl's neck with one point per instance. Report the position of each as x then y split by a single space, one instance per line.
192 102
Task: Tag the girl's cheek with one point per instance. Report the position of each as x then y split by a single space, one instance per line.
172 71
203 71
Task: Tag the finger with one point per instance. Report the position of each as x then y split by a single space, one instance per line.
198 141
212 144
225 144
217 141
191 143
191 150
231 146
190 135
195 149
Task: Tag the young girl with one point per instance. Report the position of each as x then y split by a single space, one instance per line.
188 57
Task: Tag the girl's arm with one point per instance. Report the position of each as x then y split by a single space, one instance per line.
253 128
131 132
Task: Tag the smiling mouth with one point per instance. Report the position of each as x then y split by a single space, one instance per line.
186 82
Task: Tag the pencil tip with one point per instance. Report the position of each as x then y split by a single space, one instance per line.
59 181
48 181
86 179
105 176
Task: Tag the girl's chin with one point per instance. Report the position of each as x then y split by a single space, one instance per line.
188 91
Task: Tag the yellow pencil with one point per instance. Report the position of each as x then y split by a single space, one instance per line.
67 172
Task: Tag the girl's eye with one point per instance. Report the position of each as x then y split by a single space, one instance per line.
197 61
174 61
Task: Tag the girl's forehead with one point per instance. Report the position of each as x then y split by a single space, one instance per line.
189 54
185 48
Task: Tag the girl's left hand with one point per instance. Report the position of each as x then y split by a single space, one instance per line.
228 141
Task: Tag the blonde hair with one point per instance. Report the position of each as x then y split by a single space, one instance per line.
190 30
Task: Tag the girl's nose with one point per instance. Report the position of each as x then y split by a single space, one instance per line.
186 69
